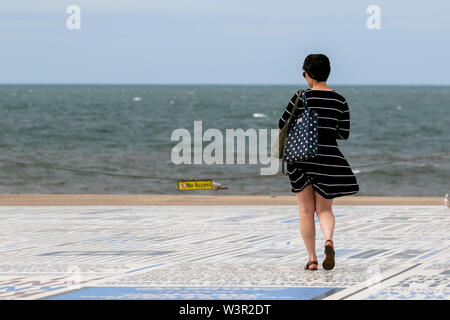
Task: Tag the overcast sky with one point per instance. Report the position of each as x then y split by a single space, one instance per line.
223 42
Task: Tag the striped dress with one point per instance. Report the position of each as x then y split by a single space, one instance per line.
329 173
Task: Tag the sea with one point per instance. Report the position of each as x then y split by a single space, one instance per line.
117 139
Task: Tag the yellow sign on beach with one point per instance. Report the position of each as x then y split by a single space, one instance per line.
194 185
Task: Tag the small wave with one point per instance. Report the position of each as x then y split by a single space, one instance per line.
137 99
356 171
259 115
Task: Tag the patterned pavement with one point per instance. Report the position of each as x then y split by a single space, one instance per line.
220 252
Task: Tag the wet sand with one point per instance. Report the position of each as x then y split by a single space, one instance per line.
206 200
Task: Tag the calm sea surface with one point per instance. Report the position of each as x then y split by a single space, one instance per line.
116 139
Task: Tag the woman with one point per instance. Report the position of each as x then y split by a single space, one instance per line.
318 181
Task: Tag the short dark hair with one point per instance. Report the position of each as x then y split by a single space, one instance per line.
317 66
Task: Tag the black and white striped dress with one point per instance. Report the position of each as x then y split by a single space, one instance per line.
329 173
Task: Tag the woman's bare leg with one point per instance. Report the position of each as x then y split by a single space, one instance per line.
306 205
325 214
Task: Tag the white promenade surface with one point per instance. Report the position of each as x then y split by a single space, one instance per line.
220 252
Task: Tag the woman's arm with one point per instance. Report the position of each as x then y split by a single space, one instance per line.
343 130
287 112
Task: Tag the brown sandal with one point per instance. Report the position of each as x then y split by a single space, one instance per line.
328 263
311 263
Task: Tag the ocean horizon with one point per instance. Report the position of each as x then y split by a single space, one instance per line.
116 138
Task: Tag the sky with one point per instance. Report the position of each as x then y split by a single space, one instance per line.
223 42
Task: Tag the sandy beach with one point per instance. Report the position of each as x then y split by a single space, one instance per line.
190 200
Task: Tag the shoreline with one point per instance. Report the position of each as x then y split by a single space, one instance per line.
195 200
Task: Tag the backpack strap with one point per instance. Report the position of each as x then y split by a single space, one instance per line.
305 104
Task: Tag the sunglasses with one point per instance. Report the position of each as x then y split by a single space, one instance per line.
304 74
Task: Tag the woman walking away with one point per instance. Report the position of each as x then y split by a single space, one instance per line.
328 175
